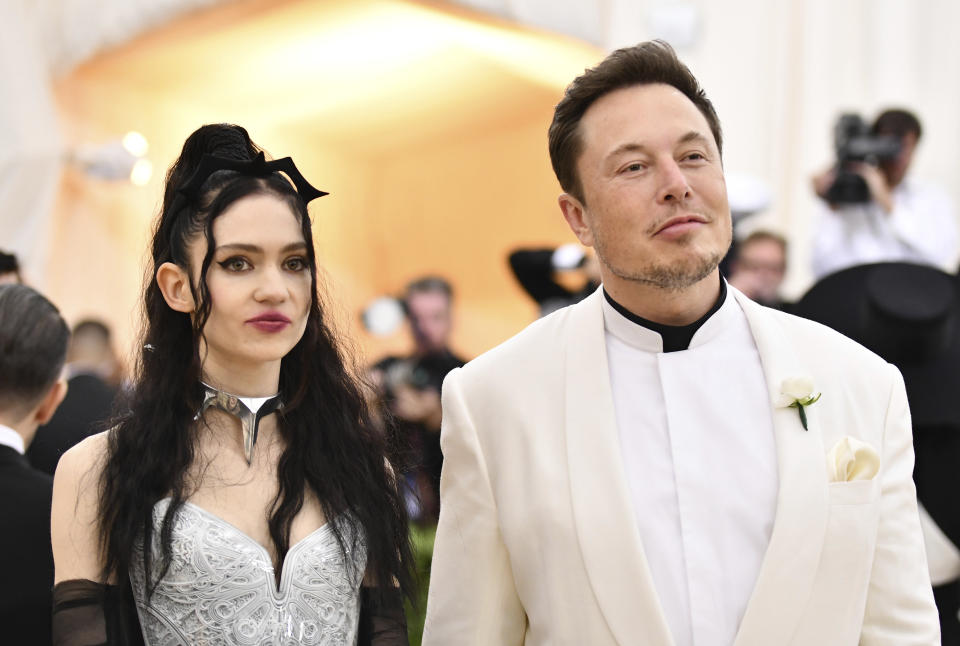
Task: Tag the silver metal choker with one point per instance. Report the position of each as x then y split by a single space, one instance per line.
240 407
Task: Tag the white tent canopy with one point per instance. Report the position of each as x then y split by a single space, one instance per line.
779 73
42 39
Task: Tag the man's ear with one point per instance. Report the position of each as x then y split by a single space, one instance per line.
50 402
174 284
574 213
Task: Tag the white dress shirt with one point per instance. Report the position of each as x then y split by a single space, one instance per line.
9 437
922 228
696 434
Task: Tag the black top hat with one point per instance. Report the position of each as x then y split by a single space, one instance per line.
909 315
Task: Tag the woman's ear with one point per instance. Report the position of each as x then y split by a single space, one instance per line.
174 284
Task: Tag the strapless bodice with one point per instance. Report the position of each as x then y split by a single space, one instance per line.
221 590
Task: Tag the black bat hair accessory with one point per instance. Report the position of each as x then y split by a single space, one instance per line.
258 167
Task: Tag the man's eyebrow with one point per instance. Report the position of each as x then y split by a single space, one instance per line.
629 147
635 147
252 248
693 136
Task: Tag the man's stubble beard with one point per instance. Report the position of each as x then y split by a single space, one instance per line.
668 277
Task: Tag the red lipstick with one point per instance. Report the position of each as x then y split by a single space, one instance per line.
269 322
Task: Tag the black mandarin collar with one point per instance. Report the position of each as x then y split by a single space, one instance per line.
675 337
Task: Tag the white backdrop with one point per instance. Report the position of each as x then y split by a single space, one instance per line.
779 72
40 39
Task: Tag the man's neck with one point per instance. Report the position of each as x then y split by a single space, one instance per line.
82 367
26 428
665 306
426 351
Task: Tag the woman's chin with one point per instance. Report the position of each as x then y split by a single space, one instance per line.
250 361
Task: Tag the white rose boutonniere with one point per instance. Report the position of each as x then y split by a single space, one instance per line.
797 392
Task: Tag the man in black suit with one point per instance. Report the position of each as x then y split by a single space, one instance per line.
91 367
33 338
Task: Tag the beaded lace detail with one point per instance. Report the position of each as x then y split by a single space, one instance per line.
220 589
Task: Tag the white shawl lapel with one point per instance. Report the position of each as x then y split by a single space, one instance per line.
603 511
790 564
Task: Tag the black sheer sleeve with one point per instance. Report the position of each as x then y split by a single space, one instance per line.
86 613
382 622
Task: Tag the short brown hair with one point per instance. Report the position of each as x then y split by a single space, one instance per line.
647 63
897 122
763 235
430 284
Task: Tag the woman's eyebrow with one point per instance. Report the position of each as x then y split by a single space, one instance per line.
252 248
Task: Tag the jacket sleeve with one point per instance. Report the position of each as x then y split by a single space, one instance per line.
472 600
900 610
533 269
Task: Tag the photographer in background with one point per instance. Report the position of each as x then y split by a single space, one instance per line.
870 211
406 390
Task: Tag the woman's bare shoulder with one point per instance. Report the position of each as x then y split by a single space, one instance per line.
74 522
92 446
82 462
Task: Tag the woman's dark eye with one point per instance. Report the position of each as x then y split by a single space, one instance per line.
235 264
296 264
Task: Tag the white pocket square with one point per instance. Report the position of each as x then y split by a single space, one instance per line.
852 459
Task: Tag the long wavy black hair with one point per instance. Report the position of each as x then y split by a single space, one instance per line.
331 446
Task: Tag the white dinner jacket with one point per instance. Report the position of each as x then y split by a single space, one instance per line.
537 542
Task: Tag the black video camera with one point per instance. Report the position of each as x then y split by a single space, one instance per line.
854 142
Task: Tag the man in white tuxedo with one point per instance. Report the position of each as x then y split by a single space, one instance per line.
653 465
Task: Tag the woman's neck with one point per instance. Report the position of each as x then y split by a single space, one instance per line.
261 380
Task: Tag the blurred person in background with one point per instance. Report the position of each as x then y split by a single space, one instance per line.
409 383
92 373
556 277
893 217
759 266
33 338
9 269
408 390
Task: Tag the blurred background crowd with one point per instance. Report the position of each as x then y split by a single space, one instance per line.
426 121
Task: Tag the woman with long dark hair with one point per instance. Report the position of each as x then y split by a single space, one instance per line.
245 497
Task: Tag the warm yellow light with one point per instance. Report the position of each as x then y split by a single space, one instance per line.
367 51
141 173
135 143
